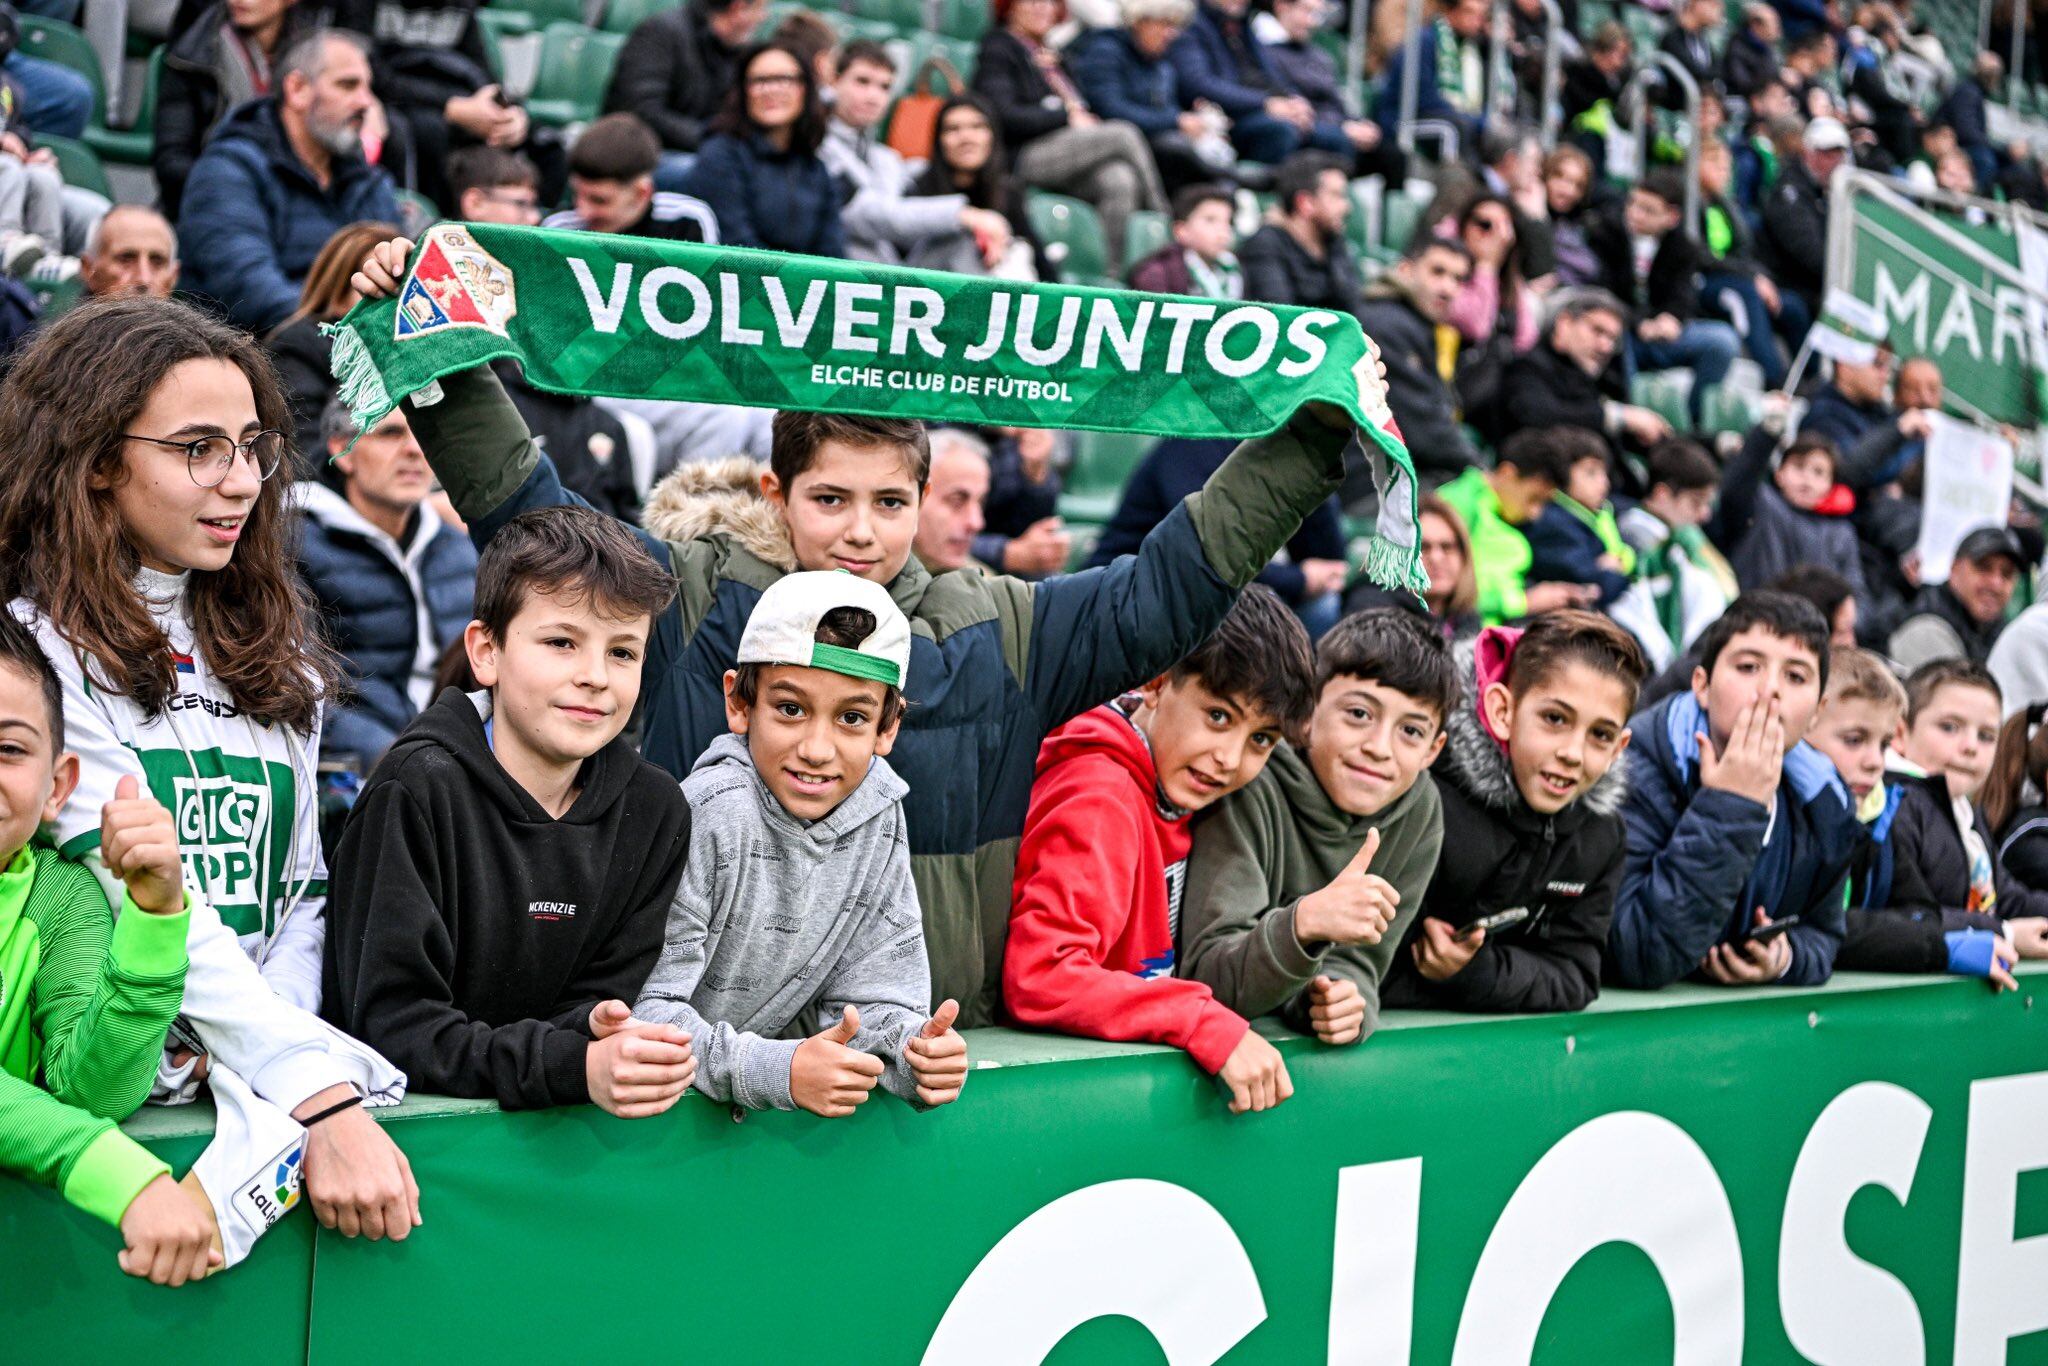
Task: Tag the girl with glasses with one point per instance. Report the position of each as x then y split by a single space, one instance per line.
759 170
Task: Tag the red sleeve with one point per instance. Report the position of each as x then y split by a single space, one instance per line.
1077 879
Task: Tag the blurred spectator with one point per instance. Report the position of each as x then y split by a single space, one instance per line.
949 516
1450 84
393 584
967 159
1689 40
302 352
1199 259
1752 55
1567 183
759 170
1770 516
1685 581
1309 71
1570 380
1497 505
1880 441
1022 534
1576 537
433 77
1852 402
810 35
131 251
1650 261
1964 110
1593 86
882 219
281 176
1300 256
55 99
493 186
227 58
1308 579
1511 167
675 70
612 187
1773 121
32 197
1124 75
1795 213
1058 142
1452 600
1496 303
1401 313
1867 77
1961 618
1802 17
1809 72
1735 285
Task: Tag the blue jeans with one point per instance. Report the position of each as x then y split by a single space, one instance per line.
1735 298
1706 348
55 99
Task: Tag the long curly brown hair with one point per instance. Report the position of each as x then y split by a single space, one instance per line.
63 408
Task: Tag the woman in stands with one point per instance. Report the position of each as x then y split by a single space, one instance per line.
967 158
300 350
148 551
759 170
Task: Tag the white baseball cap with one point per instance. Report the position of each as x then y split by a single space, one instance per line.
783 628
1827 135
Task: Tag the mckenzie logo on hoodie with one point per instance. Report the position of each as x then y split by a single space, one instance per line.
551 910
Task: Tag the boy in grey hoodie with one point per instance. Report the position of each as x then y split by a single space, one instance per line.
795 951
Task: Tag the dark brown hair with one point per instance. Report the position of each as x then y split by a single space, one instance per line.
796 437
2021 757
63 409
18 649
574 550
326 295
616 147
1803 446
807 134
1571 636
845 627
1259 657
488 168
1393 647
1464 594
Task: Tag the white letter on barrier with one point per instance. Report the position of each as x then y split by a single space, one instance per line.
1627 1177
2000 1278
1838 1309
1148 1250
604 312
1372 1274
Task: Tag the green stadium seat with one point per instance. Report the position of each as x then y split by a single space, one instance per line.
131 146
1072 234
575 67
1402 216
498 22
541 13
623 16
874 30
967 19
907 15
1146 233
78 163
1664 392
66 45
1094 484
1727 409
961 52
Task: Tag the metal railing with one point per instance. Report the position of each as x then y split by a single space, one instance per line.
1637 89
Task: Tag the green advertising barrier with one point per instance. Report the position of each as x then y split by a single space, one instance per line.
1938 300
1852 1175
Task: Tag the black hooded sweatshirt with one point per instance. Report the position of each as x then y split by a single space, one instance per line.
1499 853
469 932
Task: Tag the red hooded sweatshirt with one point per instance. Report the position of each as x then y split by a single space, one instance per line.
1097 900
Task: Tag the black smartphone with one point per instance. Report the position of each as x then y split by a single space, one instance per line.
1513 915
1766 933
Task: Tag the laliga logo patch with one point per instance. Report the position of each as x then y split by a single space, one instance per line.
456 283
275 1190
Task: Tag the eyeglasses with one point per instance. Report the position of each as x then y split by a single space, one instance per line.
773 82
209 458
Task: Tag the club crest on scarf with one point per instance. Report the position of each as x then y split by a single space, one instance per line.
455 283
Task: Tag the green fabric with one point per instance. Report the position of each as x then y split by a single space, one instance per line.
1263 850
600 314
854 664
1720 235
1500 552
84 1002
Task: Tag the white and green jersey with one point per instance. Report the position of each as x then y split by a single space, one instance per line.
244 801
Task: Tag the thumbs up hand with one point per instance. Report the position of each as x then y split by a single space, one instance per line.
938 1057
827 1076
139 845
1355 908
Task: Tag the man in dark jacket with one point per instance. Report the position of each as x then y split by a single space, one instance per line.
393 582
1218 60
1570 380
1689 40
1401 312
1733 820
1851 405
1751 60
675 70
1308 70
226 58
1795 213
1964 111
1300 257
1961 618
1450 73
281 176
1126 75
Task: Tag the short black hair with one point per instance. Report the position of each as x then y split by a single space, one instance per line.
1819 585
572 549
1423 243
1933 676
1666 183
1803 446
1545 452
1302 174
1682 465
615 147
1778 614
487 168
869 51
1258 657
18 648
1809 41
845 627
1188 198
1394 648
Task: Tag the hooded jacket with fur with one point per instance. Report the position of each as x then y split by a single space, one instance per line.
995 663
1563 868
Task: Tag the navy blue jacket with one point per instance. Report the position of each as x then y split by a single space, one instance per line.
1207 70
1429 97
254 216
1698 863
1178 466
369 600
1120 83
1834 415
1563 549
785 201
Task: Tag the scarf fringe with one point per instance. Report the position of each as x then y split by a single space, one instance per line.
356 379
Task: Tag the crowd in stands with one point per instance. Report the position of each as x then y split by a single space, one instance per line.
523 747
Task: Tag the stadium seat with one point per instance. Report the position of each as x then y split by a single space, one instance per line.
575 67
1094 484
66 45
499 21
541 13
1401 216
77 163
623 16
55 298
1072 234
1725 408
1664 392
1147 232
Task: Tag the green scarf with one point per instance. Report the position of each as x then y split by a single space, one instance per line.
587 313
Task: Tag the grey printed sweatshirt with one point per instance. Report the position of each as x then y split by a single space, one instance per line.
779 924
